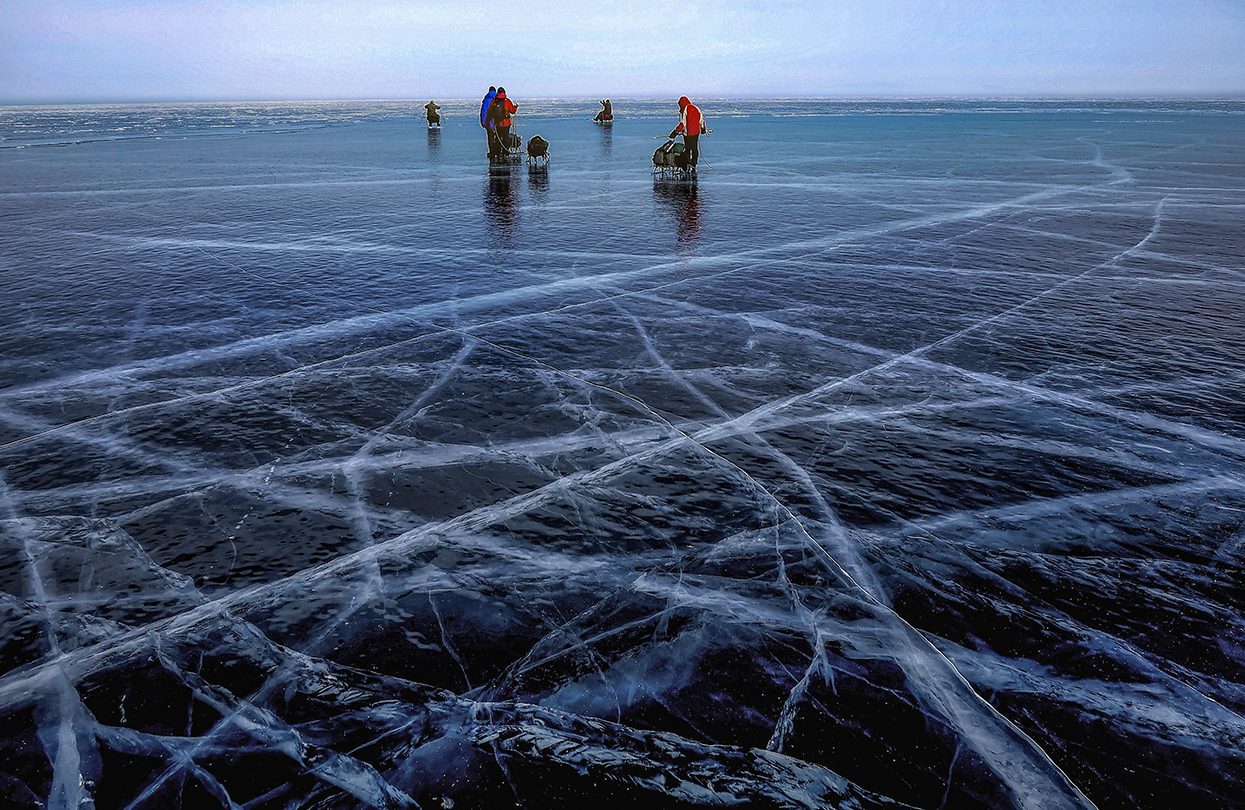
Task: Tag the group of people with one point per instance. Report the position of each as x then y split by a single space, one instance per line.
497 111
496 116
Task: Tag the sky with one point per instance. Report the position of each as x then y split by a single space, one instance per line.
170 50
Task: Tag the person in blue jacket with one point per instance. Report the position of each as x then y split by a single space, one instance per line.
486 120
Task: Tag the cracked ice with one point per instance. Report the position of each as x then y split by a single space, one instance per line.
898 464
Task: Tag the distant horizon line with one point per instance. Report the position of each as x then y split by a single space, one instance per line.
640 97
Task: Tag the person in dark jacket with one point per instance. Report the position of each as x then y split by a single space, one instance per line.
692 125
503 109
607 111
433 111
486 119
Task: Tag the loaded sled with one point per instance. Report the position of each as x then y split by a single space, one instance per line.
537 151
670 160
512 151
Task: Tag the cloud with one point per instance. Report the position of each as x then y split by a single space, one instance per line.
54 49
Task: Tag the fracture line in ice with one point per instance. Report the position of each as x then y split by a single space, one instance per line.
646 437
843 550
18 686
741 470
71 788
976 272
817 664
759 413
70 744
1122 457
1011 766
1112 497
185 479
447 643
133 190
1218 441
1161 670
353 776
375 320
651 576
142 744
1015 757
424 455
350 467
1167 386
1137 707
1064 504
1118 173
324 245
1198 264
955 756
1145 252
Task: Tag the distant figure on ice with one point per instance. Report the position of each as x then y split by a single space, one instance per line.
433 111
503 108
692 125
486 119
606 113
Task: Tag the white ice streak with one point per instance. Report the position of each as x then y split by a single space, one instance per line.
484 301
65 726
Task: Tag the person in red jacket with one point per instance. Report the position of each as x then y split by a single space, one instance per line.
692 125
502 109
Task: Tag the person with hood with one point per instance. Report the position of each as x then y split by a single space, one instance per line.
503 108
607 111
486 119
433 111
692 125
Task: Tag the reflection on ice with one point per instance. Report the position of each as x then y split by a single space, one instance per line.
682 199
500 205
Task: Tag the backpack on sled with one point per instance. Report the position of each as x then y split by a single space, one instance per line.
670 156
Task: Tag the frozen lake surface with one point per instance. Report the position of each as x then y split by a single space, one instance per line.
900 461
